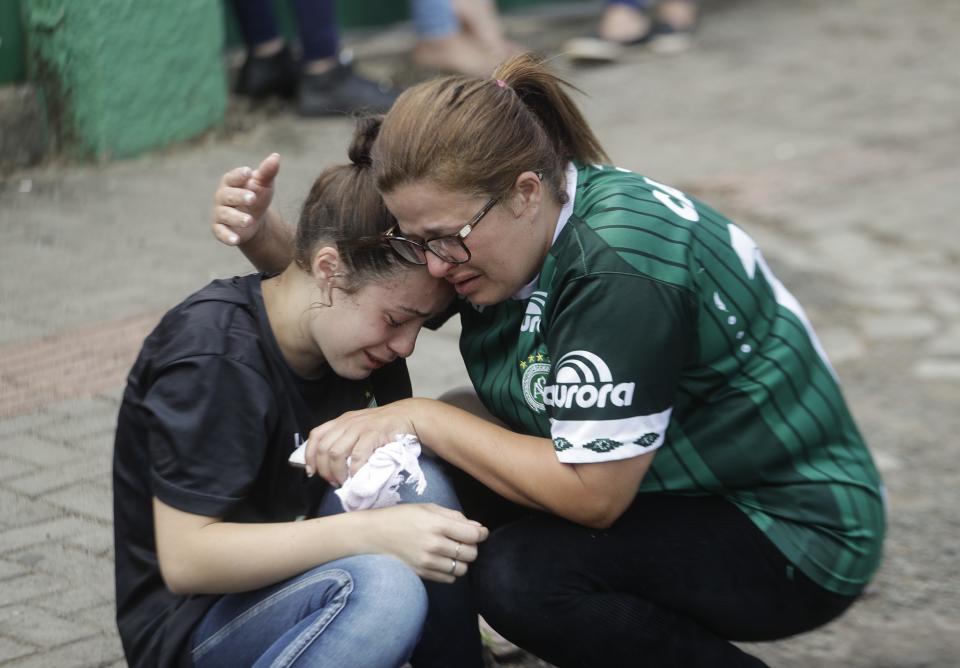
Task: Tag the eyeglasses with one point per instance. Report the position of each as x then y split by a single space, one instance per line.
449 248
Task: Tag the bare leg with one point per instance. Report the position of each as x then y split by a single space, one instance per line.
454 53
624 23
678 14
481 22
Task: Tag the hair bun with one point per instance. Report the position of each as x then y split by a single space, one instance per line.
368 127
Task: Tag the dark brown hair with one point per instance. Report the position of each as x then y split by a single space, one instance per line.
343 208
477 135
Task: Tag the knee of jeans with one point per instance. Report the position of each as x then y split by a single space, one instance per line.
397 590
439 488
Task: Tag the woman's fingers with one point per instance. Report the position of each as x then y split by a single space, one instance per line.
459 528
435 576
446 570
267 171
236 177
327 453
224 234
465 552
232 217
235 196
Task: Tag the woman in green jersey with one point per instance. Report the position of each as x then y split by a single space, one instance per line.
662 449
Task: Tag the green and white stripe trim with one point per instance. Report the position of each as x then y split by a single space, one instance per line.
586 441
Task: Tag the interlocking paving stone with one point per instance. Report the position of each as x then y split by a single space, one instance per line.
57 477
98 442
75 428
89 499
938 369
945 303
11 468
95 539
101 616
36 449
841 343
10 649
93 652
947 342
9 569
21 510
25 587
898 326
43 532
40 627
87 569
99 405
27 422
81 600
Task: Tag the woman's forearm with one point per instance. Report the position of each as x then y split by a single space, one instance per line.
525 469
271 249
201 555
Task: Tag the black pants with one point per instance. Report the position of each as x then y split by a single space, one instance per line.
669 584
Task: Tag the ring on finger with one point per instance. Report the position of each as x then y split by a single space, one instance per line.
453 566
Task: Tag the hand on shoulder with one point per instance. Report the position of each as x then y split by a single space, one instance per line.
242 200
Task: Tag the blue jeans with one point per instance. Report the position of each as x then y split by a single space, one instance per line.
336 613
433 19
333 615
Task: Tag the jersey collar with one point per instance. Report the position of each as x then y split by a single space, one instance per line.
570 176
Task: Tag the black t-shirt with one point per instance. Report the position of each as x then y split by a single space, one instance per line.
209 417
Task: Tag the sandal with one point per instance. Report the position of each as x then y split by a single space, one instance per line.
607 49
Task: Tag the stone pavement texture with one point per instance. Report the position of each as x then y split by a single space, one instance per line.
829 130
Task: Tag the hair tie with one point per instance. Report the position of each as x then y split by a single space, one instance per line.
501 83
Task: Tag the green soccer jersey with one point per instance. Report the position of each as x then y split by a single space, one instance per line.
656 324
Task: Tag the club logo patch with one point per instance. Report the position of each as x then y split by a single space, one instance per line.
536 370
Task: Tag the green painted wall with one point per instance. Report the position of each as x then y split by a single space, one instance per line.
11 42
119 77
122 76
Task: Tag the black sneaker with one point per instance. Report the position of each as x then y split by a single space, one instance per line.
263 76
340 91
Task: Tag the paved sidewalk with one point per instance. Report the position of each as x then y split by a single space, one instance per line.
829 130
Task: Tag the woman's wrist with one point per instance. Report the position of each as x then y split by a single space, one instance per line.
420 412
355 532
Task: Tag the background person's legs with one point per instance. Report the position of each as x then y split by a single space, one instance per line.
626 21
462 37
671 582
324 83
269 67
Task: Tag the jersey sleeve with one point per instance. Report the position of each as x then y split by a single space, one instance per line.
617 343
208 421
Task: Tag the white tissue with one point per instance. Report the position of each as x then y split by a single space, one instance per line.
377 482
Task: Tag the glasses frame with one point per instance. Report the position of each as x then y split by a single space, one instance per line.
391 236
